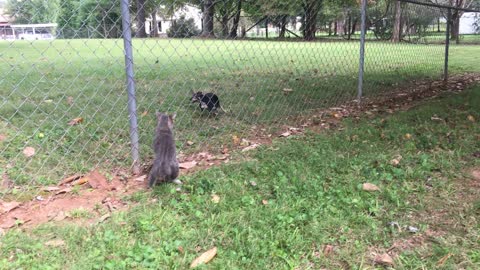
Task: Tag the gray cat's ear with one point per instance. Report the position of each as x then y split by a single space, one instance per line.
158 114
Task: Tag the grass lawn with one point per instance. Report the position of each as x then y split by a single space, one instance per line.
311 187
44 85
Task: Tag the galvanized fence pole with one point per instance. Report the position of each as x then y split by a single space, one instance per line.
132 106
447 45
362 51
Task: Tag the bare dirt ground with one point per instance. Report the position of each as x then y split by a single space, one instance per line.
94 194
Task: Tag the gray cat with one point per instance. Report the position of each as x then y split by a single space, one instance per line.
165 165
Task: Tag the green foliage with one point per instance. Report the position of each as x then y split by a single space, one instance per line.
101 18
183 28
33 11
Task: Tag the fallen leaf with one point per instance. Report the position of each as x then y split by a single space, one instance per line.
70 179
141 178
6 207
204 258
144 113
70 100
337 115
245 142
327 250
80 181
29 151
396 160
235 140
190 143
287 90
75 121
471 118
384 259
253 183
50 189
180 249
442 261
370 187
408 136
221 157
60 216
39 198
264 202
295 129
251 147
103 218
3 137
65 190
55 243
187 165
436 118
215 198
285 134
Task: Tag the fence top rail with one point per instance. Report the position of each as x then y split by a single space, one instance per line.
440 6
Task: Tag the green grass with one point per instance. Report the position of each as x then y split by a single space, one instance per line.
39 78
312 185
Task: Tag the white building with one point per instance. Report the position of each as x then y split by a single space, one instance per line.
165 22
468 23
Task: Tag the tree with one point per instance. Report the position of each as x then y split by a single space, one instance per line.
311 9
102 18
183 28
68 24
33 11
141 18
397 25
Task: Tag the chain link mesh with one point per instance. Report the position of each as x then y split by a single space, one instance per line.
63 106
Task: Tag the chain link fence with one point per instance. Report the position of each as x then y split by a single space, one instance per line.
78 92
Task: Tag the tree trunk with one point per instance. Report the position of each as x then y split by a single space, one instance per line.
266 28
243 31
224 23
283 27
141 19
354 26
348 26
335 28
438 24
397 24
455 27
154 28
207 20
311 8
236 20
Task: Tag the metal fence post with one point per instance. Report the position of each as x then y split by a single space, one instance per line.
132 106
362 51
447 45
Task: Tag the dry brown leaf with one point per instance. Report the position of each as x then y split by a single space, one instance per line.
70 179
204 258
65 190
28 151
80 181
187 165
141 178
50 189
75 121
285 134
245 142
235 140
337 115
327 250
70 100
287 90
221 157
215 198
396 160
60 216
103 218
180 249
144 113
442 261
6 207
55 243
264 202
408 136
384 259
370 187
190 143
251 147
3 137
471 118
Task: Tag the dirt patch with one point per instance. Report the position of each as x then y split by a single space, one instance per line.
94 194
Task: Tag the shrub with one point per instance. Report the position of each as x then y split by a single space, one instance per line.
183 28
